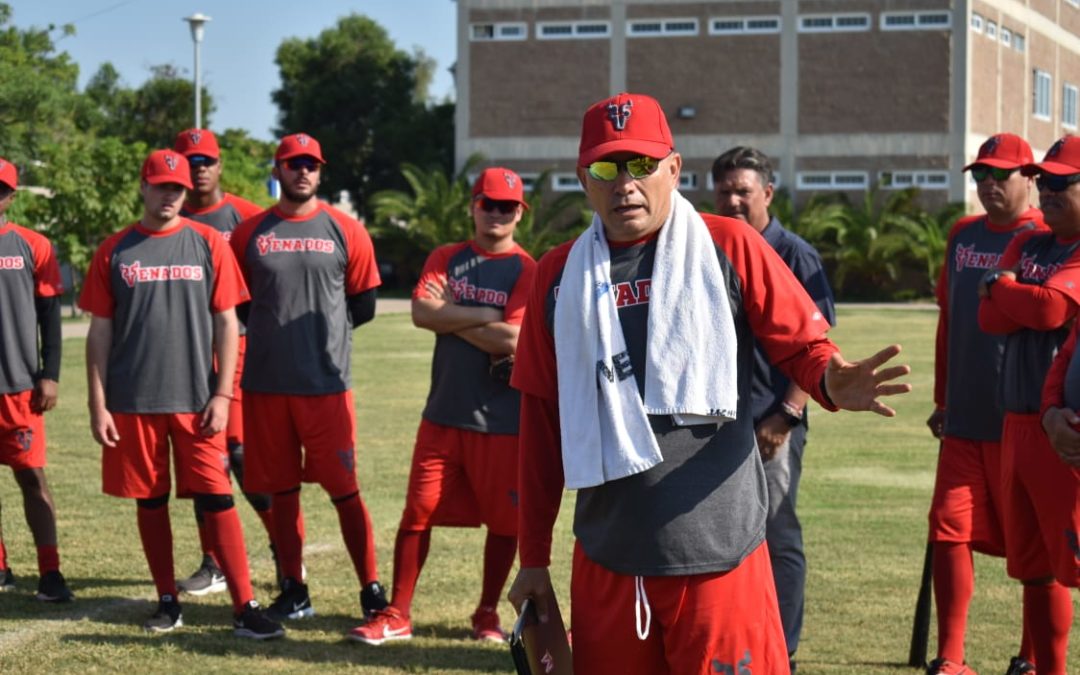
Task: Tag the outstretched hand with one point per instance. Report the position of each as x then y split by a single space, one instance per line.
857 385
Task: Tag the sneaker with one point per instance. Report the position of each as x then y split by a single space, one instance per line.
1020 666
947 667
292 603
373 599
167 616
7 580
53 588
485 625
207 579
253 623
384 625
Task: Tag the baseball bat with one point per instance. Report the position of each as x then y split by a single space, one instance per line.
920 629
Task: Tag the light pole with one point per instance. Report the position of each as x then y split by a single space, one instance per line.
197 21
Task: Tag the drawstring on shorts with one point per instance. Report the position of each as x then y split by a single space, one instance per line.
641 600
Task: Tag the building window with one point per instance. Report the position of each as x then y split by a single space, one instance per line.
976 23
829 23
1019 43
497 31
569 30
1041 105
663 27
710 184
528 181
1074 3
831 180
1068 106
927 180
565 182
688 181
744 25
1006 36
991 30
915 20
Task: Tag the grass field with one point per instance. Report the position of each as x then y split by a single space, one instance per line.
864 496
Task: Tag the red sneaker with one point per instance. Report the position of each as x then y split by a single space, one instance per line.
384 625
485 625
947 667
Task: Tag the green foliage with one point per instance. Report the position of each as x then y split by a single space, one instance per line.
549 222
246 164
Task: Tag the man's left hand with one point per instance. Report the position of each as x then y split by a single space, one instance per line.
857 385
772 432
215 416
45 394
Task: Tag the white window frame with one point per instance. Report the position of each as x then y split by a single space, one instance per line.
565 181
924 179
710 184
497 31
918 21
575 32
666 27
528 181
991 30
806 181
976 23
832 25
1042 94
744 27
1006 36
688 181
1070 105
1019 42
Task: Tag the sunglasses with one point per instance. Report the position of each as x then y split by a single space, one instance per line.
505 207
197 161
638 167
980 173
298 163
1051 183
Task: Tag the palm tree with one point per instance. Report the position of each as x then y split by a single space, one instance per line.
549 222
920 238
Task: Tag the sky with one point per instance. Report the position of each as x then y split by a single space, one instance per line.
238 49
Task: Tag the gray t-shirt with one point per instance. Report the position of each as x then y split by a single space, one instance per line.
28 269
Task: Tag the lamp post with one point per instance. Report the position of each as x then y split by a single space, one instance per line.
197 21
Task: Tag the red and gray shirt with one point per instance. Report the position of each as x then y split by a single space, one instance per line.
161 290
968 360
300 270
223 216
703 508
463 392
28 269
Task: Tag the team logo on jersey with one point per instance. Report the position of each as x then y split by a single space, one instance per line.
989 146
1029 269
25 438
619 114
1056 148
170 161
302 139
463 290
135 273
740 668
269 243
12 262
195 136
627 293
968 257
347 459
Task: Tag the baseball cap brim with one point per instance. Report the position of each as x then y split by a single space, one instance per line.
306 153
1052 168
995 163
177 179
654 149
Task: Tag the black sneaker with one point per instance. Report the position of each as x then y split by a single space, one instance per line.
167 616
1019 666
373 599
279 575
7 580
292 603
253 623
207 579
52 588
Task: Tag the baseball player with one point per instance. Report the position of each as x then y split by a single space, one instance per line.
207 203
635 387
312 274
30 286
464 467
1032 299
965 514
743 180
162 294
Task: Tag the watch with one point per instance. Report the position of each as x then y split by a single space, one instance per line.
791 415
990 278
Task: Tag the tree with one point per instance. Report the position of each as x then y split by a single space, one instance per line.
549 222
920 238
246 165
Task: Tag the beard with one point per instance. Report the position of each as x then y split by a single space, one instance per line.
293 196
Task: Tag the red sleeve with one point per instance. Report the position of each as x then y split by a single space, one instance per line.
97 296
435 268
229 287
991 319
245 208
1027 306
941 342
514 312
535 370
48 282
540 478
361 271
1053 393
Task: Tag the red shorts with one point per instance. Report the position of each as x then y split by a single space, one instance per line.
138 467
724 622
294 439
967 495
462 478
22 432
234 433
1042 505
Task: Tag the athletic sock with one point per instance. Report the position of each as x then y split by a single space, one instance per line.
267 518
356 530
410 554
288 534
206 542
954 584
48 559
499 552
155 532
1048 611
3 556
227 536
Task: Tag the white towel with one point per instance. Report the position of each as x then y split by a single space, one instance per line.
690 370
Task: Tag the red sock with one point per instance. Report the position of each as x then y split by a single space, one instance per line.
410 553
155 531
1048 611
206 542
1027 649
499 552
954 584
359 536
3 556
48 559
288 534
227 536
267 518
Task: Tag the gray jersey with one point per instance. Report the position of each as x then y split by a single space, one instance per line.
28 269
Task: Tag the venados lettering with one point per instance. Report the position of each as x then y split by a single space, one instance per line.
12 262
269 243
135 273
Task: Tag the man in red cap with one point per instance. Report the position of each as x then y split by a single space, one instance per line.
1032 298
312 274
644 407
464 468
965 514
162 294
30 286
207 203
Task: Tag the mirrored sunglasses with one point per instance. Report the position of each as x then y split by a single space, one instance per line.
197 161
980 173
638 167
1052 183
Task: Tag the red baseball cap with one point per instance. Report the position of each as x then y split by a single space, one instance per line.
501 185
166 166
197 142
624 122
1062 159
9 175
299 145
1003 151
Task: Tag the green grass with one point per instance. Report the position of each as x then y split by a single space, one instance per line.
865 491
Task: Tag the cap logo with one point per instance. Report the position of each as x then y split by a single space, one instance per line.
990 145
196 136
2 164
302 139
1056 148
170 161
511 180
619 114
